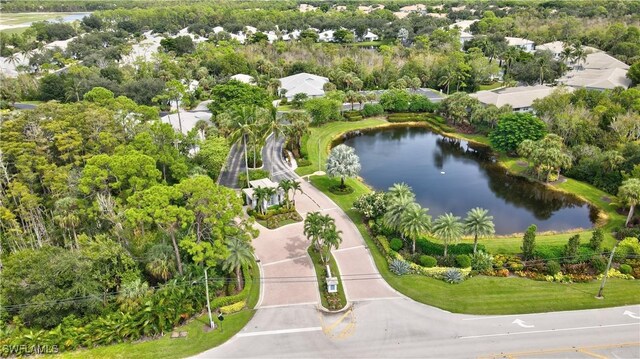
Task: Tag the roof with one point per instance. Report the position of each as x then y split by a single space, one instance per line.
370 34
247 79
518 41
465 35
597 78
309 84
463 25
556 47
264 183
601 60
516 97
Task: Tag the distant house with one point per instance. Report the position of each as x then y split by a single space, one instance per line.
306 7
464 37
247 79
556 48
326 36
524 44
519 98
309 84
463 25
599 71
369 36
273 200
369 8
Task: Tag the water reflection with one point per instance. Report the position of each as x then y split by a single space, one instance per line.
449 175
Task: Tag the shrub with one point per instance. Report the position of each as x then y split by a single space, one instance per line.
253 175
571 248
553 267
420 103
399 267
529 242
233 308
463 261
621 254
599 264
623 233
453 276
502 272
482 262
396 244
548 252
513 128
370 110
428 261
383 244
437 249
596 239
631 244
371 205
625 269
395 100
303 162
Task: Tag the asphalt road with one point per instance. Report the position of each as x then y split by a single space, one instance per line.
273 160
235 163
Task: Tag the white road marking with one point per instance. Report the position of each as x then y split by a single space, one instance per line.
281 331
346 249
522 323
547 331
286 305
631 314
494 317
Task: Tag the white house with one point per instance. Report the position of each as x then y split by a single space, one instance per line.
463 25
273 200
309 84
599 71
306 7
464 37
247 79
556 48
524 44
519 98
370 36
326 36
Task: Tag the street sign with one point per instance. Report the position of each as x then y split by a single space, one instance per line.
220 317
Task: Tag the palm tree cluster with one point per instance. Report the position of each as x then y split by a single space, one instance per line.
411 220
288 186
573 53
321 230
240 254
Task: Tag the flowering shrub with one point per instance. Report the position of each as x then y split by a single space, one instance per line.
233 308
614 273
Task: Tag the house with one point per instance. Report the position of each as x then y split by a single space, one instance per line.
369 8
464 37
306 7
274 199
556 48
340 8
247 79
599 71
519 98
326 36
309 84
414 8
369 36
463 25
524 44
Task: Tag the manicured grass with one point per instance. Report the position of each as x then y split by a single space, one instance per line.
326 134
285 108
25 17
263 223
491 295
197 339
322 283
491 86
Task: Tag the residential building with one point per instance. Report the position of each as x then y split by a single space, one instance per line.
247 79
519 98
524 44
463 25
599 71
273 200
556 48
369 36
309 84
326 36
306 7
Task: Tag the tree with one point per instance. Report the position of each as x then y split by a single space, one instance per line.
174 91
262 196
597 237
299 99
448 229
634 73
514 128
322 232
323 110
213 154
240 254
547 154
415 222
455 108
286 185
235 94
571 248
297 128
478 223
529 242
343 162
395 100
629 193
243 123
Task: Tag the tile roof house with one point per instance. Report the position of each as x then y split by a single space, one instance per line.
599 71
524 44
519 98
309 84
556 48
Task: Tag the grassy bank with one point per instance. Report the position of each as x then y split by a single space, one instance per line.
485 295
197 340
322 283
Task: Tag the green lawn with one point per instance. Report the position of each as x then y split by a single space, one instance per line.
491 86
322 283
197 339
485 295
25 17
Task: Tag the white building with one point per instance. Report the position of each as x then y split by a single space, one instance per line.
326 36
274 199
309 84
370 36
247 79
556 48
524 44
463 25
519 98
306 7
599 71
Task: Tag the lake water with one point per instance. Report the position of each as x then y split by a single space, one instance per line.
449 175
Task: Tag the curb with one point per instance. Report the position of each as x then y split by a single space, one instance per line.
320 308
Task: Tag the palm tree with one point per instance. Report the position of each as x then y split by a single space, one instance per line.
331 239
313 228
479 224
242 121
509 56
286 186
273 85
351 97
448 229
542 62
579 54
240 254
629 193
12 59
262 195
295 187
396 207
567 53
415 222
447 79
400 190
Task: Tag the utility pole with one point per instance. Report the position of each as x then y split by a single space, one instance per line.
319 154
606 273
206 286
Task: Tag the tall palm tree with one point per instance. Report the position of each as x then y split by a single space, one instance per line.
509 56
396 207
313 228
478 224
331 239
240 254
579 54
262 194
400 190
448 229
273 85
542 62
295 187
286 185
242 121
629 193
351 97
415 222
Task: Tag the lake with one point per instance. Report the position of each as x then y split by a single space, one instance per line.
449 175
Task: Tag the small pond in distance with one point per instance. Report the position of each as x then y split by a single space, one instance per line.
449 175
